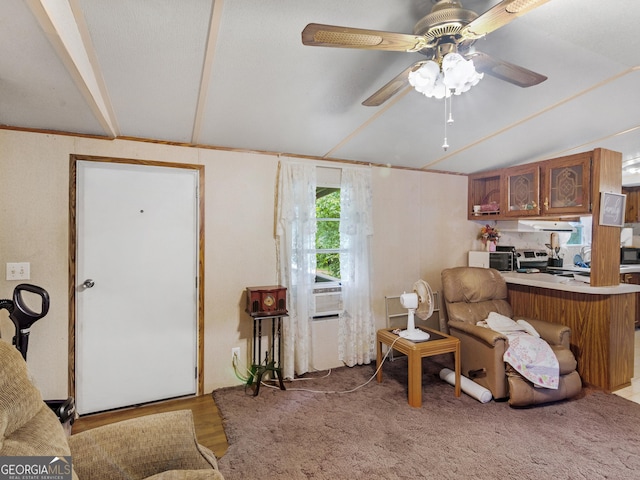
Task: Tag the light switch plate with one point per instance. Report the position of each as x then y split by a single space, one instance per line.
18 271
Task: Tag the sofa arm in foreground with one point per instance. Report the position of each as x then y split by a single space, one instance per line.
161 446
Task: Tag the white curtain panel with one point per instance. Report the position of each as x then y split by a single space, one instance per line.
295 242
357 326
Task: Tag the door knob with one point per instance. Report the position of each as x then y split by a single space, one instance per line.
88 283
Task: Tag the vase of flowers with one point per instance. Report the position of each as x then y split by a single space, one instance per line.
489 236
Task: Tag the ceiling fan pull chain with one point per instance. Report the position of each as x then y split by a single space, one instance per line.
448 118
445 145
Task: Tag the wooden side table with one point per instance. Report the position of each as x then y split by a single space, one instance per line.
437 344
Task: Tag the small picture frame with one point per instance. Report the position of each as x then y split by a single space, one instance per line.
612 206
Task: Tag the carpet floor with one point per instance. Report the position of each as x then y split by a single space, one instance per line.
372 433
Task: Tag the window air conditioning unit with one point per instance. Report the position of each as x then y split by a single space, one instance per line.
327 301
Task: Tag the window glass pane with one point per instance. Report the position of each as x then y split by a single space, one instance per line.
327 202
327 234
576 237
327 267
582 235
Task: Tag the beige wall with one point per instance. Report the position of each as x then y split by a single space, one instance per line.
420 228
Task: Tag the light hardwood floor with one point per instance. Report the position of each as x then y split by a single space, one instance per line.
206 416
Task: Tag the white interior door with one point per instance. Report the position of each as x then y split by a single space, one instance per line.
136 319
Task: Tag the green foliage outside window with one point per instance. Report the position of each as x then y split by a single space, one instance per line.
328 233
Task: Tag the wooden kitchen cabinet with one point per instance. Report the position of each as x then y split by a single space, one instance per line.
485 191
632 207
521 186
633 278
567 185
560 187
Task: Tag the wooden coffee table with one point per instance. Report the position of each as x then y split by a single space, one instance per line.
415 351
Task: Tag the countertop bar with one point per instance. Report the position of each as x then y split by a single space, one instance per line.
601 320
623 268
555 282
629 268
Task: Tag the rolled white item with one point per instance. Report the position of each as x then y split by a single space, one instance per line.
469 387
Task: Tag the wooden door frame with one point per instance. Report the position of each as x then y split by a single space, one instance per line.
73 159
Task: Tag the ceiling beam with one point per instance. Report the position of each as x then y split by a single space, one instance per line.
207 67
66 30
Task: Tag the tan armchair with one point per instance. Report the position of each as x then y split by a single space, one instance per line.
161 446
470 294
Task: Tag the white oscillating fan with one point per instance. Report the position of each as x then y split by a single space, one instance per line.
419 302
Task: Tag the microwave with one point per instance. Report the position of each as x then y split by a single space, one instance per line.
502 261
629 256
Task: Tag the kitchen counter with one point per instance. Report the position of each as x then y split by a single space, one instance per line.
556 282
601 320
629 268
623 268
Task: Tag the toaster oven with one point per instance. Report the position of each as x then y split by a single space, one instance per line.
502 261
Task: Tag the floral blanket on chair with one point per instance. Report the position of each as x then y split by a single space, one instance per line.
528 354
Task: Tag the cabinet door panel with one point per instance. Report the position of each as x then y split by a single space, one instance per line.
567 184
632 207
522 190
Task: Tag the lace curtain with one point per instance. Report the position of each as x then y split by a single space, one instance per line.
356 325
295 241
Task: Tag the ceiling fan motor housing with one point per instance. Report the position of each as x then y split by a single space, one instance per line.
444 24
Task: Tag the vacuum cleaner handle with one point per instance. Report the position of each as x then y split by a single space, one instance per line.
6 304
23 317
22 314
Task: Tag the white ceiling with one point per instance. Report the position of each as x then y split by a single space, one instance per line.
235 74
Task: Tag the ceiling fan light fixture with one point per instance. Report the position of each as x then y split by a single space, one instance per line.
459 75
428 80
456 76
426 75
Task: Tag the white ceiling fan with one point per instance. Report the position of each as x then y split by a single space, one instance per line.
448 28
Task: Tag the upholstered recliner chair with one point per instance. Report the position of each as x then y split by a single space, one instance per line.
470 294
161 446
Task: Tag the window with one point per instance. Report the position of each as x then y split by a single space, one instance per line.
582 235
576 237
295 231
327 291
327 235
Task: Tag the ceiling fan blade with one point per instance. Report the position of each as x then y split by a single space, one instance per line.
504 70
498 16
318 35
390 89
